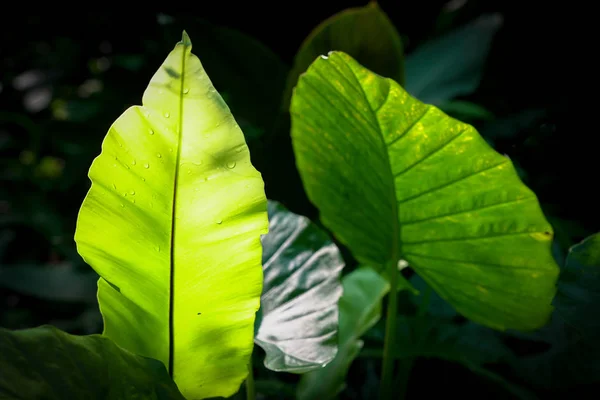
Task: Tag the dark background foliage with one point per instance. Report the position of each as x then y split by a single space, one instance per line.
65 77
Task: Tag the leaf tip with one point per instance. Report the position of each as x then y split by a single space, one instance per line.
185 39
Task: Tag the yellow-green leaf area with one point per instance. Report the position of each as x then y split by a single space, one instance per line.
172 224
395 179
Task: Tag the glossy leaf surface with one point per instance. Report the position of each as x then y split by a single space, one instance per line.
299 304
360 309
366 33
46 363
395 179
172 224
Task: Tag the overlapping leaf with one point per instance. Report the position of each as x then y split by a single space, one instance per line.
365 33
299 309
394 178
360 309
46 363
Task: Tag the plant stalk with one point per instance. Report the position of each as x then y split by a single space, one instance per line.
250 390
386 389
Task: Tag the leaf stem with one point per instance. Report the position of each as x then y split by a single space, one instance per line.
387 368
250 389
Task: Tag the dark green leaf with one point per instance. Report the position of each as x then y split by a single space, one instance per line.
302 267
470 345
436 307
466 111
60 282
46 363
366 33
451 65
574 356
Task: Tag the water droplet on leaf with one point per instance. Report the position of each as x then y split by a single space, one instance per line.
186 90
146 165
132 192
231 164
158 155
133 162
151 132
167 115
219 221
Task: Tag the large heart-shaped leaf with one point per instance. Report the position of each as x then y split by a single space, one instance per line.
451 65
302 267
365 33
172 224
395 179
46 363
360 309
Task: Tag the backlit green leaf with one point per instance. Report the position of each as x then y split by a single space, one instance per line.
172 225
46 363
360 309
366 33
394 179
299 309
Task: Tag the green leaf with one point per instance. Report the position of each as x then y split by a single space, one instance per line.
451 65
299 304
366 33
360 309
172 224
46 363
395 179
574 355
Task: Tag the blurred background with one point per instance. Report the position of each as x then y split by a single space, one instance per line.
65 77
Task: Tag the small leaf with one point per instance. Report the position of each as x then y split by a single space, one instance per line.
366 33
451 65
46 363
395 179
301 290
172 224
360 309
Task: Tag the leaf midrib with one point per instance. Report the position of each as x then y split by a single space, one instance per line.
174 209
395 250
